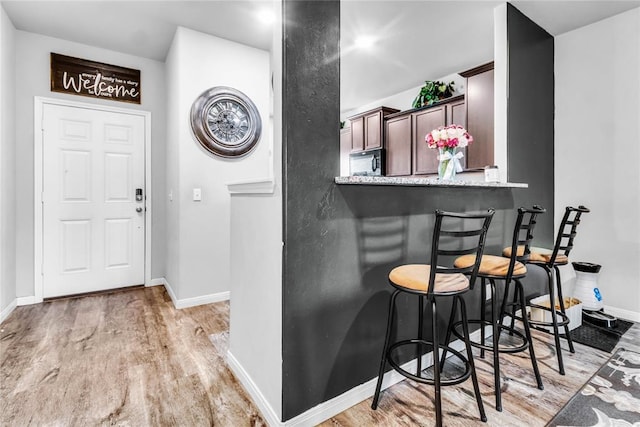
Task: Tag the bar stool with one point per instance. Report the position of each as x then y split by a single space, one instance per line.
433 281
550 263
494 268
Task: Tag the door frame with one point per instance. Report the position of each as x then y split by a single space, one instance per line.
38 139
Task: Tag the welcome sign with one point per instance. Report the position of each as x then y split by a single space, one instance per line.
95 79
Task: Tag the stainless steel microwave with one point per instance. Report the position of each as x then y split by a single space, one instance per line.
367 163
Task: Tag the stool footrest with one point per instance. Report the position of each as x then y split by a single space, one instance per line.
563 319
443 381
501 349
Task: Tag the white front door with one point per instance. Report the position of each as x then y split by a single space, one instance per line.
93 226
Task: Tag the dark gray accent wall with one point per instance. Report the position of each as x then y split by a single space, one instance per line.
530 113
340 242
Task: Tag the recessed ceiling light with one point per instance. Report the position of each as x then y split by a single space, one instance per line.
365 42
266 16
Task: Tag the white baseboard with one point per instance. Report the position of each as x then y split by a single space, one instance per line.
338 404
27 300
8 310
191 302
634 316
156 282
268 413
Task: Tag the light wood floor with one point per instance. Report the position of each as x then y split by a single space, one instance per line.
126 358
130 358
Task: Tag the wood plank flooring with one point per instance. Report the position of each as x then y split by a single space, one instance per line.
125 358
130 358
411 404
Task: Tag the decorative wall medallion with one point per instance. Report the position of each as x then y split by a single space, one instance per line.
225 122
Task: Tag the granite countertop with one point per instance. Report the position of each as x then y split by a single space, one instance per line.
423 182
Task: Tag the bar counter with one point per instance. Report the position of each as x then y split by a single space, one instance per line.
423 182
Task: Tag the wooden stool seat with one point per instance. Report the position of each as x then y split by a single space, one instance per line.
416 277
538 257
491 265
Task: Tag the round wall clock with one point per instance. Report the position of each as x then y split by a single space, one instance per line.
225 122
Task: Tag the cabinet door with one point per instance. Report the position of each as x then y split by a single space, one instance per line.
345 149
480 119
373 131
357 134
425 159
398 146
457 115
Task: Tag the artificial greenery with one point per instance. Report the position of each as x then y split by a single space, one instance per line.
433 91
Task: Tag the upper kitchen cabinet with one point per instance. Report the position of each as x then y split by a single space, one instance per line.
451 111
367 129
407 152
345 149
398 140
479 100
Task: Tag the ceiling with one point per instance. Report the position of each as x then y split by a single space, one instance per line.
417 40
427 40
142 28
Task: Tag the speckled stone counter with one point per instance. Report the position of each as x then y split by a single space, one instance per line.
423 182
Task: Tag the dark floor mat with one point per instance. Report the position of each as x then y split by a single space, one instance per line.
608 399
601 338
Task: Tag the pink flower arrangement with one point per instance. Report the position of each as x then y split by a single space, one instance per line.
451 136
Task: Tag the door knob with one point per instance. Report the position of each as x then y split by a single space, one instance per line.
138 209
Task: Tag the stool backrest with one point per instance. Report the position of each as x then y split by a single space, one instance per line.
456 234
522 236
564 238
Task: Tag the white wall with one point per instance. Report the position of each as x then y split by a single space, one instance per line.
597 151
32 69
403 100
255 325
172 232
196 63
7 167
500 89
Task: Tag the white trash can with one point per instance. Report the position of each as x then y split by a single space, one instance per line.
586 287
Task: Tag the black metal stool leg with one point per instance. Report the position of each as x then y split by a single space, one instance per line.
503 304
527 331
452 319
383 361
420 328
563 310
436 365
467 343
513 309
496 346
483 316
554 318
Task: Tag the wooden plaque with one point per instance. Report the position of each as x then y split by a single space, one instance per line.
95 79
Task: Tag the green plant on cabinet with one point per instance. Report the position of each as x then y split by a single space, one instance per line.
433 91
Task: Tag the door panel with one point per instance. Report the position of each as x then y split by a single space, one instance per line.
93 238
425 159
75 245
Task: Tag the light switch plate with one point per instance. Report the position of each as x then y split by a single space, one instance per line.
197 194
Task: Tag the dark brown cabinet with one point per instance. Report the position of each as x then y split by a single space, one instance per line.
425 159
398 146
357 134
402 134
406 150
367 129
480 115
345 149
